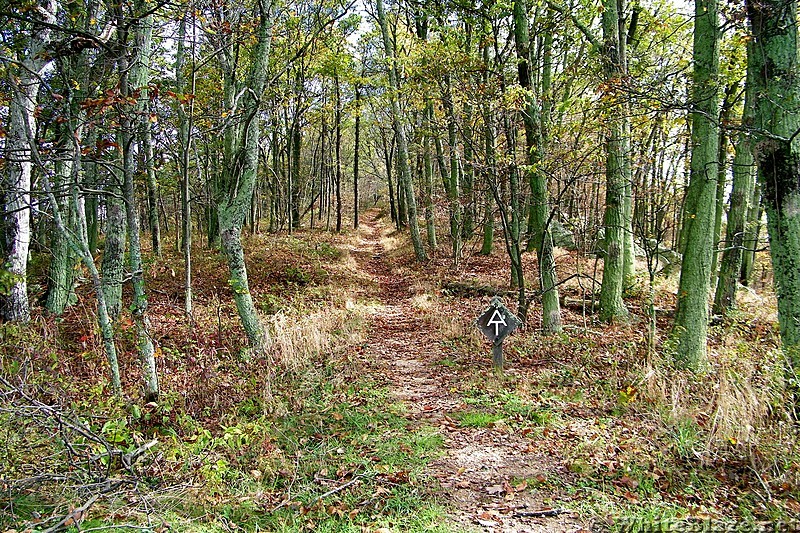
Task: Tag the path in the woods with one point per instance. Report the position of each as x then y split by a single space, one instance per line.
481 474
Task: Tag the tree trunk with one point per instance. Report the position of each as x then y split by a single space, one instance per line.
24 80
185 139
722 177
489 154
140 81
127 128
752 235
541 237
468 225
61 272
427 163
394 207
113 265
294 183
453 183
356 156
741 192
689 332
615 220
774 65
511 222
402 145
338 155
421 21
240 172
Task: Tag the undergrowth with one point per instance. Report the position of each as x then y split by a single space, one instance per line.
301 438
296 439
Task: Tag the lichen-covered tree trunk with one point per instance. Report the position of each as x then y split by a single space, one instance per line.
128 125
722 177
113 264
612 307
752 235
741 193
239 169
24 76
541 237
690 330
140 80
776 122
406 185
615 219
60 272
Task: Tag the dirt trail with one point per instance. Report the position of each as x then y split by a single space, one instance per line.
482 470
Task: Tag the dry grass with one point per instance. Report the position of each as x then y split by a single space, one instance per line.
296 339
729 405
742 405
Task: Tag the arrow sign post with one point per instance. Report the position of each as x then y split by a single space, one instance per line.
497 323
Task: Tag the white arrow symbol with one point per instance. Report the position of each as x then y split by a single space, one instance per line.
497 320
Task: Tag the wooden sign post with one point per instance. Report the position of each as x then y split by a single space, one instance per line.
497 323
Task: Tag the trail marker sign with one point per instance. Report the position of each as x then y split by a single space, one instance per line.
497 323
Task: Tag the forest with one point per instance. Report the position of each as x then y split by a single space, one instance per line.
245 245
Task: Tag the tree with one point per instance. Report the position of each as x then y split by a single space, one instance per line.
406 185
62 263
242 98
741 193
540 205
142 34
612 307
25 71
690 329
184 145
774 67
143 41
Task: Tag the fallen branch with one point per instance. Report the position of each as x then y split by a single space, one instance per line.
130 458
341 487
465 290
74 517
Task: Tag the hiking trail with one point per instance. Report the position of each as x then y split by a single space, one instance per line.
484 471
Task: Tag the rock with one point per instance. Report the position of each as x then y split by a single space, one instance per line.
667 258
562 237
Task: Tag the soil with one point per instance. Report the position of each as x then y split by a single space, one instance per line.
483 470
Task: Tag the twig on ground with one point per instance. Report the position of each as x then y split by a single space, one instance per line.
341 487
321 497
74 517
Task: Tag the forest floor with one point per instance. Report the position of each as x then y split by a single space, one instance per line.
375 409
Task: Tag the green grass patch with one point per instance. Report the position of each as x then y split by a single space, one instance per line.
477 419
